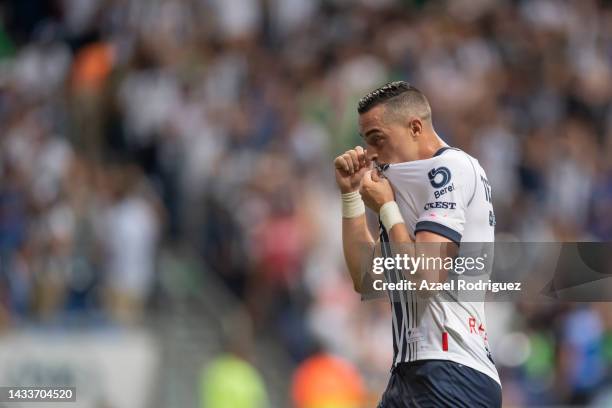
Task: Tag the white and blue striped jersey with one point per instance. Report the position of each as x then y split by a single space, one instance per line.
449 195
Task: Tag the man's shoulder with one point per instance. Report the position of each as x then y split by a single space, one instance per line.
448 167
454 163
453 155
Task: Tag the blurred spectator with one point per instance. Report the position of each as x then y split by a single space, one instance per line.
327 381
130 233
229 381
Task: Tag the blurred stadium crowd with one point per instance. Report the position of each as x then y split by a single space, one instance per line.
130 127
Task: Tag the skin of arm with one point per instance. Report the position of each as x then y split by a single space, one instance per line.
357 241
427 243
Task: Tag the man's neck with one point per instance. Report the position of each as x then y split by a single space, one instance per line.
432 144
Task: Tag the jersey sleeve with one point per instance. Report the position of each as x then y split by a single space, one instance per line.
450 187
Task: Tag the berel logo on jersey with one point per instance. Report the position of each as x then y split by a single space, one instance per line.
439 177
441 192
441 204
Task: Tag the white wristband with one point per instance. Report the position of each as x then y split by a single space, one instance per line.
390 215
352 205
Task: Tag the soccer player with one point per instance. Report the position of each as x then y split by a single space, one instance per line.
423 192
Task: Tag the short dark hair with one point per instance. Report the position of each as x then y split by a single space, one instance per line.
399 96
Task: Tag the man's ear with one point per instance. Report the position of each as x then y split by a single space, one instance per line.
416 126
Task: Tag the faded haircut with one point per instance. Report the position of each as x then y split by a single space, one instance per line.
400 100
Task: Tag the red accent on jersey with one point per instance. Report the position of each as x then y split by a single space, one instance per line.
472 324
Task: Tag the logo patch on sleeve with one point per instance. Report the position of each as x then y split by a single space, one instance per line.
439 177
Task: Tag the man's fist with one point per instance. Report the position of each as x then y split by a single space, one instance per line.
350 169
375 190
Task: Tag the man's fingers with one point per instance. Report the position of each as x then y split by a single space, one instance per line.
368 162
365 182
375 175
344 162
361 156
355 159
349 161
341 164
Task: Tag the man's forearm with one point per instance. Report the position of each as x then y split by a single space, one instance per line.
428 244
357 243
399 234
